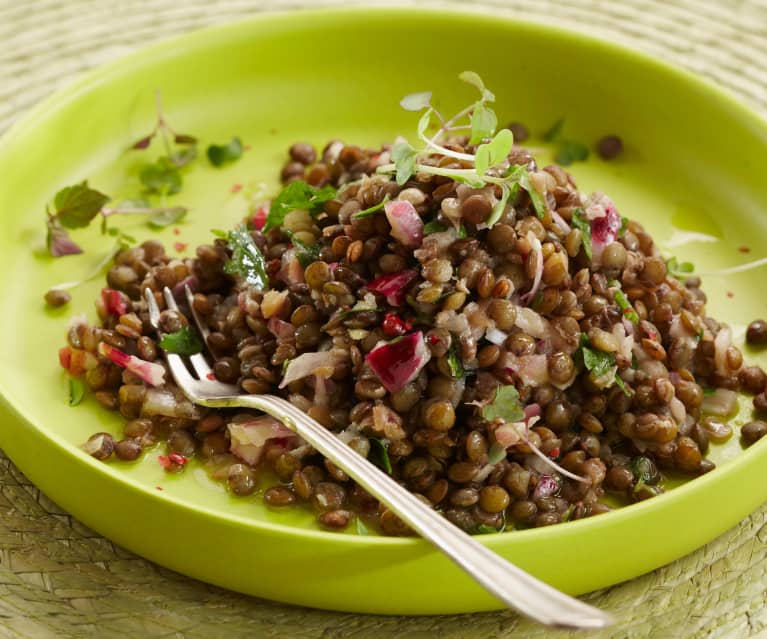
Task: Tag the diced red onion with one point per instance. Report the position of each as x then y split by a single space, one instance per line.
508 434
398 363
547 486
393 286
151 372
308 364
179 290
291 271
76 360
532 370
114 302
605 224
250 434
722 403
282 330
532 410
406 224
259 217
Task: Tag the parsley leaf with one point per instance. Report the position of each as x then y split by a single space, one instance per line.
416 101
493 152
371 210
305 253
570 152
76 391
247 260
184 341
77 205
433 227
623 303
598 362
379 452
161 177
403 155
484 529
523 179
483 123
580 222
220 154
454 363
505 406
297 195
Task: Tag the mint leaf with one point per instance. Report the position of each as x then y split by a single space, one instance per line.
161 177
483 123
184 341
77 205
505 406
373 209
580 222
166 217
570 152
379 453
76 391
462 232
416 101
403 155
247 260
624 226
220 154
555 131
297 195
493 152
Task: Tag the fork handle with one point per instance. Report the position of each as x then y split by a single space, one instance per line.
507 582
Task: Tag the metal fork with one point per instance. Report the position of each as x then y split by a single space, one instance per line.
516 588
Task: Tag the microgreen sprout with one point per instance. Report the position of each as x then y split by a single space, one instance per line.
490 157
179 157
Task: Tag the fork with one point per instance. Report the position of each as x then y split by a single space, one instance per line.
512 585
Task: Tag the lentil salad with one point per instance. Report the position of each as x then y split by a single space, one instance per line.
507 347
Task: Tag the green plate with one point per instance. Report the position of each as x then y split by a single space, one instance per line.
693 172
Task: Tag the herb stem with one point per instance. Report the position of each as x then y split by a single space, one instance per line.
470 174
443 151
446 126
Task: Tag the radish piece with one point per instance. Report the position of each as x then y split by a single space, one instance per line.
398 363
406 224
393 286
150 372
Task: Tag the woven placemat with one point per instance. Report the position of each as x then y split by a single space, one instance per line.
59 579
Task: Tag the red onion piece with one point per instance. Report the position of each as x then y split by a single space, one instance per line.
114 302
282 330
250 434
406 224
259 218
179 290
308 364
150 372
398 363
605 223
291 271
393 286
547 486
76 361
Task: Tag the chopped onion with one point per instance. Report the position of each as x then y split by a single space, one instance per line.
151 372
249 435
163 402
308 364
393 286
531 322
535 245
398 363
560 223
406 224
532 370
496 336
723 402
282 330
722 342
291 271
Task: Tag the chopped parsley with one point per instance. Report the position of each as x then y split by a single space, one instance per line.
247 260
184 341
298 195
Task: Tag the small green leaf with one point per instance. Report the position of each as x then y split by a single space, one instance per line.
708 392
220 154
505 406
433 227
493 152
483 123
416 101
570 152
598 362
247 260
500 205
623 303
424 122
535 197
404 156
362 529
484 529
166 217
76 391
496 453
297 195
472 78
462 232
305 253
624 226
161 177
77 205
184 341
454 363
379 452
622 385
580 222
373 209
184 156
555 131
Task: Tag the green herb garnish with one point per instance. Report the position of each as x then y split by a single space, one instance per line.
505 406
247 260
552 135
496 453
494 152
305 253
76 391
161 177
580 222
373 209
77 205
220 154
570 152
680 270
297 195
454 363
484 529
602 367
362 529
433 227
379 451
184 341
623 303
404 157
